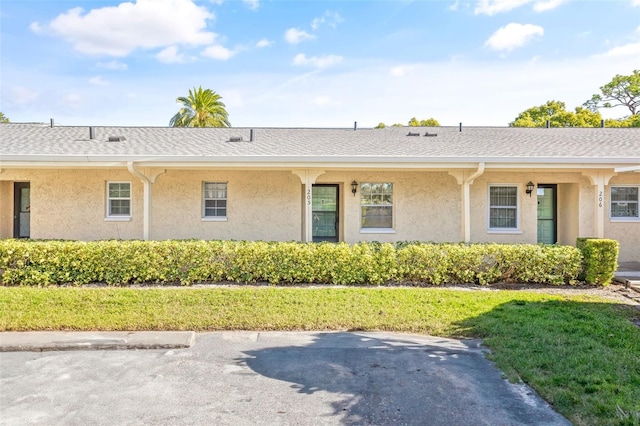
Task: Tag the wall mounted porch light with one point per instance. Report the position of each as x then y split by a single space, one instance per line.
354 187
529 189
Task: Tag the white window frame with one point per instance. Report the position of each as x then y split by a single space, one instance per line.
206 218
390 230
611 202
492 230
118 217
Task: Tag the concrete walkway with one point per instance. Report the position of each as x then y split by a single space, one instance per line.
628 273
281 378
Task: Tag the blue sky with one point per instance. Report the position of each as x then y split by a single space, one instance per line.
310 63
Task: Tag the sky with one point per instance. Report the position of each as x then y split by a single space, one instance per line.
287 63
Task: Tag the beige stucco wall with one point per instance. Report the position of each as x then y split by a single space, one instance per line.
426 205
262 205
6 209
568 215
626 233
70 204
267 205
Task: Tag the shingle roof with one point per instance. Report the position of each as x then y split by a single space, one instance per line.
390 144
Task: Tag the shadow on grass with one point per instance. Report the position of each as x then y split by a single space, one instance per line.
378 378
582 357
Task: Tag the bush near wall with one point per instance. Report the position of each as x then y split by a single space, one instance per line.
44 263
600 260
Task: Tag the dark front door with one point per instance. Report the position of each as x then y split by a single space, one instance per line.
325 213
547 214
21 209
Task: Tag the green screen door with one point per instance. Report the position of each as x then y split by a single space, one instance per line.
547 232
325 213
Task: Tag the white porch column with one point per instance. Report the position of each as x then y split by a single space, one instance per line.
466 180
147 187
308 178
599 179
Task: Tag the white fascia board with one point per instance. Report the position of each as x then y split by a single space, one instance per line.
627 169
195 161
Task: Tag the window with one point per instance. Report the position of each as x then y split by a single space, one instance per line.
215 200
118 199
624 202
376 205
503 207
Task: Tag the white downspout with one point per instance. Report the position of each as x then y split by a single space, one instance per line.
147 184
466 201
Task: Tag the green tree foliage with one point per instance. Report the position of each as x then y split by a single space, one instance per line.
631 121
202 108
380 126
430 122
622 90
3 118
557 115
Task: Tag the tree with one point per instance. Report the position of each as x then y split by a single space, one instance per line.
202 108
622 90
3 118
380 125
555 112
423 123
631 121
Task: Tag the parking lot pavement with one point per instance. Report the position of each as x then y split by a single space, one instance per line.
287 378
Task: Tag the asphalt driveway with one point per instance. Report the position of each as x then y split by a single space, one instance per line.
246 378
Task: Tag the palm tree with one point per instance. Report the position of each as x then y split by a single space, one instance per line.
202 108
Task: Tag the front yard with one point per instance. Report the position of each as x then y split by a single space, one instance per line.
580 352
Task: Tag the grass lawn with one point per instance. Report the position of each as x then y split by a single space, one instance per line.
580 353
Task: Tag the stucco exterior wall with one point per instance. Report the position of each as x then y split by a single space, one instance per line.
268 205
568 216
6 209
626 233
261 205
426 205
71 204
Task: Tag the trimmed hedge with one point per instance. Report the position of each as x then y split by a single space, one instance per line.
600 260
43 263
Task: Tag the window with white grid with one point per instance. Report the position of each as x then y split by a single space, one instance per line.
624 203
118 199
214 200
503 207
376 205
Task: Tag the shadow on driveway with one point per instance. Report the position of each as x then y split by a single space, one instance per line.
379 378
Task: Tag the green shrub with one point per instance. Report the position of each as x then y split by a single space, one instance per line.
122 263
600 260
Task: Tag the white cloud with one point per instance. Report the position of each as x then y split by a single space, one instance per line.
401 70
543 6
295 36
316 61
315 24
252 4
512 36
145 24
454 6
36 28
20 95
113 65
635 3
630 50
493 7
329 18
264 43
218 52
170 55
98 81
